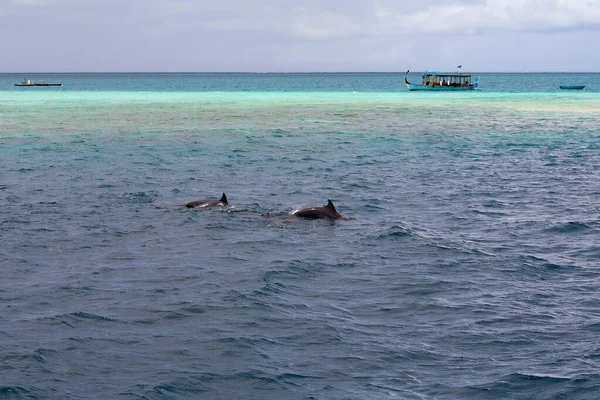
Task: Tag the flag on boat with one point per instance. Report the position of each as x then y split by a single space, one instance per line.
459 66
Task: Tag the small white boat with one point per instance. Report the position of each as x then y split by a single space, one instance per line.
32 83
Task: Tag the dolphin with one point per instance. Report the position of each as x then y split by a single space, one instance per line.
208 203
325 212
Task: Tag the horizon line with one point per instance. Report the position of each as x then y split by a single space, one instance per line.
292 72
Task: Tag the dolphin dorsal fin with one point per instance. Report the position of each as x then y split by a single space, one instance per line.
330 205
223 199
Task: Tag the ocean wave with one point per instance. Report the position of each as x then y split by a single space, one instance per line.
570 227
139 197
89 316
489 213
550 263
180 389
17 392
521 385
293 270
395 232
71 319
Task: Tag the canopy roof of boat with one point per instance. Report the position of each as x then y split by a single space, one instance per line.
445 73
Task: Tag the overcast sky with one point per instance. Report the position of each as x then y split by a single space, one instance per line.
298 35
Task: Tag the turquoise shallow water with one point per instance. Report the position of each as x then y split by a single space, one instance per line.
291 114
468 269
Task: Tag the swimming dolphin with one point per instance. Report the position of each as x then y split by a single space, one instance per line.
208 203
325 212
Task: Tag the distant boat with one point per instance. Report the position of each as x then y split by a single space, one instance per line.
443 81
572 87
31 83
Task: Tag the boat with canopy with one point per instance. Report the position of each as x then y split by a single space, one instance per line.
443 81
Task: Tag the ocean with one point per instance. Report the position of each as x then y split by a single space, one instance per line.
468 268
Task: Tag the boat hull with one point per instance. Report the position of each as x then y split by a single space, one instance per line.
38 84
413 87
572 87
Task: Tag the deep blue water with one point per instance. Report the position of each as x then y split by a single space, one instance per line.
468 268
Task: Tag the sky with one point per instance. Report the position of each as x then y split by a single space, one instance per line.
299 35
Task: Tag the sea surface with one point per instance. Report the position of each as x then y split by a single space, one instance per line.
469 267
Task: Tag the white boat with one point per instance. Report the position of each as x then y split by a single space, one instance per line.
27 82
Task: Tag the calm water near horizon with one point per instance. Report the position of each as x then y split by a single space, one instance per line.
288 82
468 269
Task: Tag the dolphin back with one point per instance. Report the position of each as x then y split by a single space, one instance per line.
208 202
325 212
